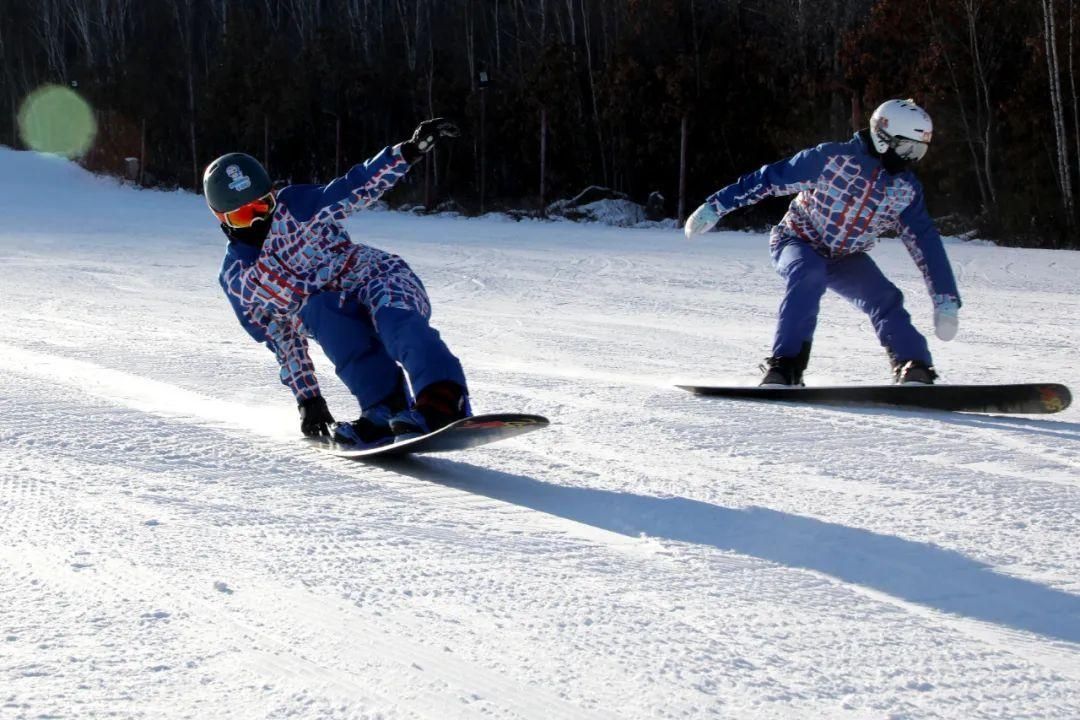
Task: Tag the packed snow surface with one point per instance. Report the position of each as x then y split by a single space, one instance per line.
169 548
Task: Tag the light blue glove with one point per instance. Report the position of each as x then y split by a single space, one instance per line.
703 220
946 318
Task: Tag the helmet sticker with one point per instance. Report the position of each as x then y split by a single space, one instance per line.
240 181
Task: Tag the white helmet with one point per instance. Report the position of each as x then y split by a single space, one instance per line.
903 126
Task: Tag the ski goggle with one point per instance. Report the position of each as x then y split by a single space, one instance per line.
908 149
245 215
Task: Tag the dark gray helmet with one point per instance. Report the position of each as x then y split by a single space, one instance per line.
234 180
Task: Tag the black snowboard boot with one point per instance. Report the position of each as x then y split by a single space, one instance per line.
436 406
372 428
913 372
785 371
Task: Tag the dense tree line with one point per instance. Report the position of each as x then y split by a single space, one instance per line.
679 96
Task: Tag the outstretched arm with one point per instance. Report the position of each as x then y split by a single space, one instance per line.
367 182
786 177
355 190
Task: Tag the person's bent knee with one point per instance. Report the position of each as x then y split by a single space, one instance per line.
805 274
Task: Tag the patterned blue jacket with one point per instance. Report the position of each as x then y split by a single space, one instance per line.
308 252
845 200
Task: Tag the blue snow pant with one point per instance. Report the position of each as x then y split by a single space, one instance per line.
366 351
854 277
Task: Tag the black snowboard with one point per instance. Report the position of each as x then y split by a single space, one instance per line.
1035 398
461 435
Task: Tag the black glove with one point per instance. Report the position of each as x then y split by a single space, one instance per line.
315 417
428 134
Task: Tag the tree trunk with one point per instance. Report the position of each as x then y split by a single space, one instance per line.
483 148
498 36
1054 74
984 109
543 161
142 154
433 175
1072 89
970 133
427 182
196 185
337 146
683 145
50 33
585 33
195 179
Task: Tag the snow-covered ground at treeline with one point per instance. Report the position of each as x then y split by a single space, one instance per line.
170 549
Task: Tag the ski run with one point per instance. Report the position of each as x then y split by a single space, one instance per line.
169 548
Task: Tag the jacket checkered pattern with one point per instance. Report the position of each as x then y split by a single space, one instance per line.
845 200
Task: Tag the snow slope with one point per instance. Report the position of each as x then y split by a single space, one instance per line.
169 549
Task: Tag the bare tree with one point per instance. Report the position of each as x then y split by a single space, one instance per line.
409 15
114 18
184 15
984 113
1064 169
1072 86
593 91
49 31
977 123
79 16
306 16
9 81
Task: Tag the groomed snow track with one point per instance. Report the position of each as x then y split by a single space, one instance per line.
168 548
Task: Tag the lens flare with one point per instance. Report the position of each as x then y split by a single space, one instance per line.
55 119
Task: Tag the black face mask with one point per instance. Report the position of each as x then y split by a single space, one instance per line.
893 163
254 235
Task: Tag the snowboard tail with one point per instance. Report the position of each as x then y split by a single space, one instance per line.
468 433
1027 398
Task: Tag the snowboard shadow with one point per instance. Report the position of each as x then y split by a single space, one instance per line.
908 570
1027 424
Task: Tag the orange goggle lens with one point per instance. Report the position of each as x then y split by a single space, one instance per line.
245 215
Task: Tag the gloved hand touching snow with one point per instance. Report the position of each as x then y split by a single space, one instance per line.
315 417
427 135
701 221
946 318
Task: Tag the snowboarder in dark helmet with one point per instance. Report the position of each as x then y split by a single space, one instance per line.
847 194
291 272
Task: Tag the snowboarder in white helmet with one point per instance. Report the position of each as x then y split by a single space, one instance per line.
903 127
848 193
291 272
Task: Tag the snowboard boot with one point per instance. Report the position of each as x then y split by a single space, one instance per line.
785 371
372 428
913 372
437 405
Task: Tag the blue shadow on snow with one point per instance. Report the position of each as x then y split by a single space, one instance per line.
912 571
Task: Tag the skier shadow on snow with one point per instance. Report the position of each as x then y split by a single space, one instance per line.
912 571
